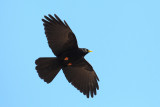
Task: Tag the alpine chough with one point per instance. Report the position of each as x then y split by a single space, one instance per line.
69 58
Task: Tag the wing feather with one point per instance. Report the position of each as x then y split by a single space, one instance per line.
82 76
59 35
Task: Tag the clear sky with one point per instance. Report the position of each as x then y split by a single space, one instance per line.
124 36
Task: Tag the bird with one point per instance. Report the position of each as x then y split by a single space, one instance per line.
69 58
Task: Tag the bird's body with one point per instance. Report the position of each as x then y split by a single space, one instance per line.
69 58
72 56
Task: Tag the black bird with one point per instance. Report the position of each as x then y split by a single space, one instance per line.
69 58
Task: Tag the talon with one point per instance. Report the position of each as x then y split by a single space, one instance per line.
69 64
66 58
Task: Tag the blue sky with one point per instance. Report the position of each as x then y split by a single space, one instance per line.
125 38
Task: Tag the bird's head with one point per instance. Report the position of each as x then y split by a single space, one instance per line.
85 51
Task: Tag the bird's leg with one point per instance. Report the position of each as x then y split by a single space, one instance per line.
66 58
69 64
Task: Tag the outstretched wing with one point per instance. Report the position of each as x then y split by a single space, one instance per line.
59 35
82 76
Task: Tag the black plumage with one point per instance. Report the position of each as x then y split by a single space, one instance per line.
69 58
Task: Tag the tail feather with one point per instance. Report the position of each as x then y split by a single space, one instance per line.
47 68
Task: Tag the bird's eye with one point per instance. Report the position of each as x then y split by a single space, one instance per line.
87 50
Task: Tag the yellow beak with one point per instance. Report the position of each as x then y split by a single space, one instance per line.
90 51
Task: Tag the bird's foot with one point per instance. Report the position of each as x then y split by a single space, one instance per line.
66 58
69 64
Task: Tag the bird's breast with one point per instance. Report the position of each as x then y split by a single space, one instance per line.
68 58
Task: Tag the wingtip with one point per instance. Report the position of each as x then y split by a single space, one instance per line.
92 94
43 20
98 79
87 95
50 15
45 16
55 15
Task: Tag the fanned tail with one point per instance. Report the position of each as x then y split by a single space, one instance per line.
47 68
